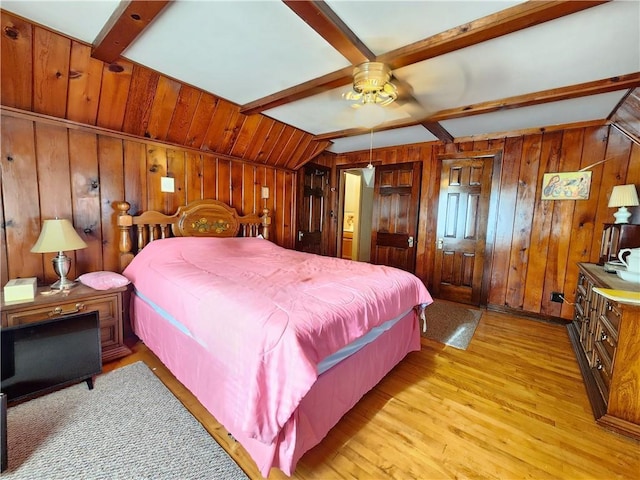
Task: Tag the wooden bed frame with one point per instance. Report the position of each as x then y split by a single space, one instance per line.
201 218
314 416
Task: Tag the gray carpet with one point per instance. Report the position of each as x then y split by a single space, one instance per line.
130 426
451 323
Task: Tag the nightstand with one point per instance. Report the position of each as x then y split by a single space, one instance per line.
108 303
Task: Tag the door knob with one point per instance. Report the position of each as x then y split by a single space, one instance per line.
440 243
300 235
410 242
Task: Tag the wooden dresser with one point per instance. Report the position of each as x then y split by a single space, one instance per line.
108 303
605 335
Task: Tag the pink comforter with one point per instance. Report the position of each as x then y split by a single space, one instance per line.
268 314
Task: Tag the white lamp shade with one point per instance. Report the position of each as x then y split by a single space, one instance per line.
624 196
58 235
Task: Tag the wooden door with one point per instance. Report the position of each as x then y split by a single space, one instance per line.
463 216
395 215
312 209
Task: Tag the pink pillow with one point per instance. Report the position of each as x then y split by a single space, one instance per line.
103 280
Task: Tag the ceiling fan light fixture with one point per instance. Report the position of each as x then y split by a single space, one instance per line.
371 84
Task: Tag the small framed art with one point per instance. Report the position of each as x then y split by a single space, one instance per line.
566 186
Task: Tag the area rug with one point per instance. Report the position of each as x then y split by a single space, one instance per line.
451 323
130 426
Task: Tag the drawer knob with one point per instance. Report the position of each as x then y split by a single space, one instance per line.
603 336
60 311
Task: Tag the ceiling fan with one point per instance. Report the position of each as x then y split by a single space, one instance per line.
372 85
375 86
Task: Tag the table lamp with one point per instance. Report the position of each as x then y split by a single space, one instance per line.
623 196
58 235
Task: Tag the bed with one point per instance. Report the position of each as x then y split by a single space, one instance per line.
276 344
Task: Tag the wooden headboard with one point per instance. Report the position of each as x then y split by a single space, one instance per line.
202 218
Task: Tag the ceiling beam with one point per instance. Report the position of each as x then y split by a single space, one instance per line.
622 82
507 21
123 27
319 16
307 89
438 131
606 85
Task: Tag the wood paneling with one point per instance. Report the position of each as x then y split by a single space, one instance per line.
51 55
537 243
16 62
48 73
54 168
85 80
21 201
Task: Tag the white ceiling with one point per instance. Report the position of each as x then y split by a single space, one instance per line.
246 50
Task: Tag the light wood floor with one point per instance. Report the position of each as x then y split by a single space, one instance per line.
511 406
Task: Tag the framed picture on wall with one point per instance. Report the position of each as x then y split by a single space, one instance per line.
566 186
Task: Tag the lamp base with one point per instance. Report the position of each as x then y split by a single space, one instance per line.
63 284
61 264
622 215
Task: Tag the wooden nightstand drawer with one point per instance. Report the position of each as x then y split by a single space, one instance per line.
107 308
108 303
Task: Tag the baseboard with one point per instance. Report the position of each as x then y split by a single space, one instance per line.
530 315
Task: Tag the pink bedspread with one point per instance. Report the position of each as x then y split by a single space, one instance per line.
268 314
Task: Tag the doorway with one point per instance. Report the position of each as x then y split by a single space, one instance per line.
356 214
312 212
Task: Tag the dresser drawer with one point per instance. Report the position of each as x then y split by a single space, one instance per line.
612 313
607 342
582 285
601 371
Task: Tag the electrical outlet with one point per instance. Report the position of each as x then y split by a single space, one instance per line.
557 297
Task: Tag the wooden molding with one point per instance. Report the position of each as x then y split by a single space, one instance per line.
123 27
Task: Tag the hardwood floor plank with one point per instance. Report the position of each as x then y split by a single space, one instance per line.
512 405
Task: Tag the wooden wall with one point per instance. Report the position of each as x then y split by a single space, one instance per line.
55 168
100 133
44 72
127 125
538 243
